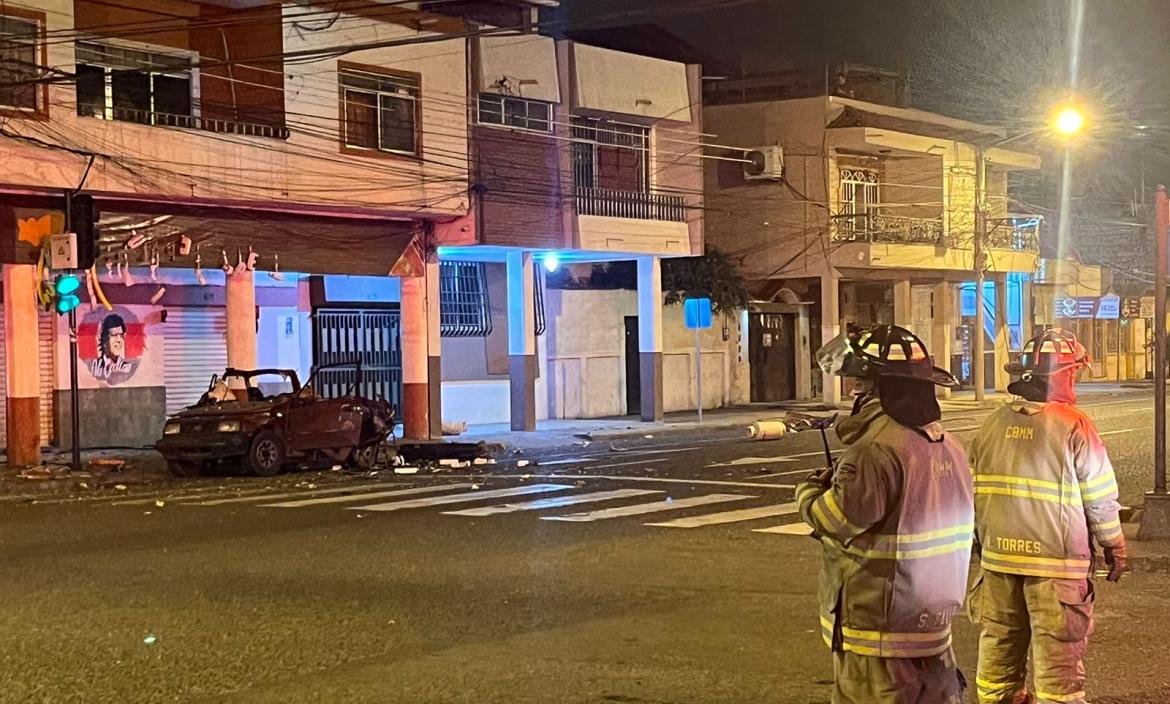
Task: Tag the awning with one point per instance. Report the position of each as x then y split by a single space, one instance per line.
295 243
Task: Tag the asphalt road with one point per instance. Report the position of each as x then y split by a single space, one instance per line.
642 573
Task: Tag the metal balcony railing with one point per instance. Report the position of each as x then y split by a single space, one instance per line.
1019 234
888 228
628 204
195 122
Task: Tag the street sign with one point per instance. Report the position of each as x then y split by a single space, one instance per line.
1147 306
63 251
1109 308
697 313
1131 307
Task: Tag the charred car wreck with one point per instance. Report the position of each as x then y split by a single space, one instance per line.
265 420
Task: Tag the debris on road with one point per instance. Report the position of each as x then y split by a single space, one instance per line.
120 487
150 639
160 503
405 469
36 473
522 463
767 429
454 427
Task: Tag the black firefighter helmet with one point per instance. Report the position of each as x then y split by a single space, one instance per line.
881 351
1049 352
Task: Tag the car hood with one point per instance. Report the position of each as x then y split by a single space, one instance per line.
228 409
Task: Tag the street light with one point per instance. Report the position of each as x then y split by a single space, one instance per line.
1069 121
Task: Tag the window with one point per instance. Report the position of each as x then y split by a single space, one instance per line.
134 85
860 197
19 66
515 112
611 155
380 111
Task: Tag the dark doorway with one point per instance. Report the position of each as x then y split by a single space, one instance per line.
772 354
633 368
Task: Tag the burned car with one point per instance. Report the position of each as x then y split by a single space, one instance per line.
264 420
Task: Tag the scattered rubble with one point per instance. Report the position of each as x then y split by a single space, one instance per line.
405 469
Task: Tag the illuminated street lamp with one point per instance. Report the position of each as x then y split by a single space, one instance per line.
1069 121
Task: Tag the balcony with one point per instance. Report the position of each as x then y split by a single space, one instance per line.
195 122
888 228
629 204
1019 234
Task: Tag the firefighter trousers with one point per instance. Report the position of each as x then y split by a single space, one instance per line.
1052 617
860 679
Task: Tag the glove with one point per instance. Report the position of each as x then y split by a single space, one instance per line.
822 478
1115 561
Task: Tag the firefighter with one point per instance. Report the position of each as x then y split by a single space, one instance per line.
1044 490
895 519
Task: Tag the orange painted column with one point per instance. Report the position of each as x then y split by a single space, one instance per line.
241 321
421 361
22 347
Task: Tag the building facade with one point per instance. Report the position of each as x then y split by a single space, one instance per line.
867 214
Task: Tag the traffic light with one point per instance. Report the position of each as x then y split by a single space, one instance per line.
68 287
83 218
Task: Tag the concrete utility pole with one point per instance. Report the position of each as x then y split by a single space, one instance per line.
979 350
1156 510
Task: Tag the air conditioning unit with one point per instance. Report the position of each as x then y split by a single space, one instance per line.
764 163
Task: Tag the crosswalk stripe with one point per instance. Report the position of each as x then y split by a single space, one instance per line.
751 460
552 502
465 497
252 495
712 519
653 507
366 497
787 529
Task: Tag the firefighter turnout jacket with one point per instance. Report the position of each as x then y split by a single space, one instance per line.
896 527
1043 481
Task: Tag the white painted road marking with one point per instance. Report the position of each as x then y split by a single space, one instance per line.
751 460
713 519
787 529
365 497
1116 432
466 497
353 488
553 502
653 507
963 430
626 478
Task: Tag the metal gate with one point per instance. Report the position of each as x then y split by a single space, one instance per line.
369 337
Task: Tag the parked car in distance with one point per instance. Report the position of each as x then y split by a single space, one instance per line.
263 419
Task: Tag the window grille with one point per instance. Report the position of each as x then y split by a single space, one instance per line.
464 305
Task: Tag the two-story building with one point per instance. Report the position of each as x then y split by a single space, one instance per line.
580 155
852 212
232 150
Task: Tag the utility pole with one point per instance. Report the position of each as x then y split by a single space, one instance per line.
979 350
74 401
1156 510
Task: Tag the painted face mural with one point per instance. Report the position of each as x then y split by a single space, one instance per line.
110 344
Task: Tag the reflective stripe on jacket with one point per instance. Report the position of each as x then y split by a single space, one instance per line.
1043 480
896 527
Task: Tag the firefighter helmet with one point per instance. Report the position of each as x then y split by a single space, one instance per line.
1048 353
881 351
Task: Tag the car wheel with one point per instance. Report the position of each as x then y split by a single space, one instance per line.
266 454
365 457
185 469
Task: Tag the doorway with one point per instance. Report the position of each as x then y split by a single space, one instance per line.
633 368
772 354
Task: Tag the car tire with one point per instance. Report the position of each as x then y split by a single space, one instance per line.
266 454
185 469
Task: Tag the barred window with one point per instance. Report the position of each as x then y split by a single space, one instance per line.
464 306
509 111
19 67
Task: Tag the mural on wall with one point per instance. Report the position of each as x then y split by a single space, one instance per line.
111 343
117 348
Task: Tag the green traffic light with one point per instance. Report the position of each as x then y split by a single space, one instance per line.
67 298
68 284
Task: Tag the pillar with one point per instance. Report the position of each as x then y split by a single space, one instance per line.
650 337
21 347
903 305
804 362
830 328
1002 333
522 340
421 356
241 321
942 297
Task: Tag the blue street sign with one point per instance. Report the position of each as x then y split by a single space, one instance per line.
697 312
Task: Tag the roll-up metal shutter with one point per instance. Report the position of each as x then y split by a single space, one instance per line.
47 330
195 348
